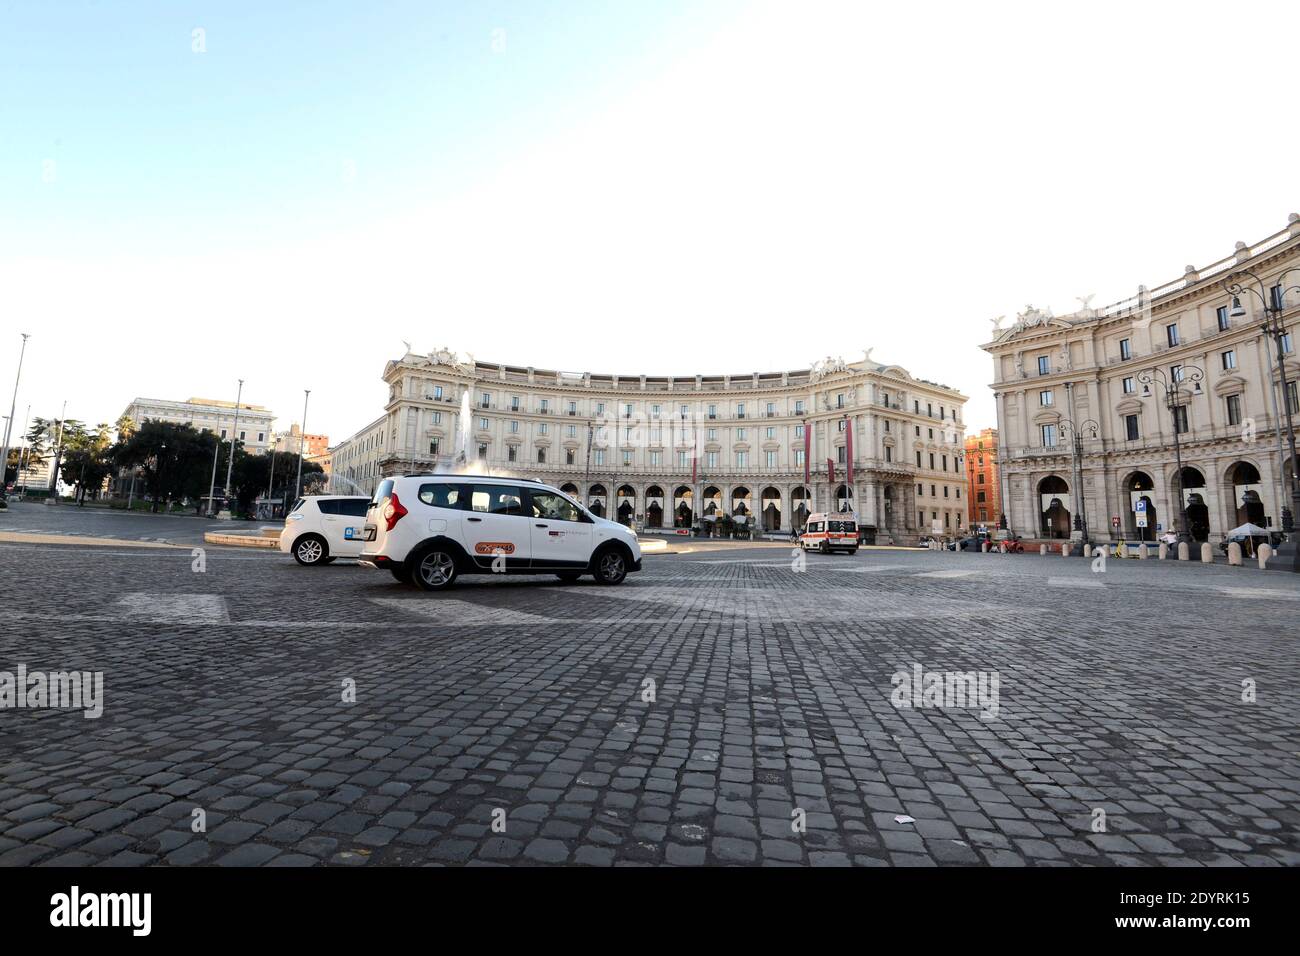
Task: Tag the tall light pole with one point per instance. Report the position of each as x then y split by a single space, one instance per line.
1077 433
1273 327
216 454
234 437
297 486
1174 397
270 482
4 455
58 456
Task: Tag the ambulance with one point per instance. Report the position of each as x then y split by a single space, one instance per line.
836 531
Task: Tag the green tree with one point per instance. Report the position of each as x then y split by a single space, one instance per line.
252 476
175 458
125 427
50 437
86 458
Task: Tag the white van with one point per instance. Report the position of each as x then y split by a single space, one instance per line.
836 531
321 528
428 529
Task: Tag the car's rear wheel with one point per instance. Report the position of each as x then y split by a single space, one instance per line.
611 567
402 573
310 549
434 570
568 577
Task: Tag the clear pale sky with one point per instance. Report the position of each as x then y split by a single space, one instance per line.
660 187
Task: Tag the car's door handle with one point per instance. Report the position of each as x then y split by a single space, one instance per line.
543 526
474 519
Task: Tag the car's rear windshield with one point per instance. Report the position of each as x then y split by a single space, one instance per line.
299 504
841 526
383 491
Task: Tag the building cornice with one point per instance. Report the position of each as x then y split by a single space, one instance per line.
1165 298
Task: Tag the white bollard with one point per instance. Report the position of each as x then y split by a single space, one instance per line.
1265 552
984 546
1184 553
1142 551
1042 550
1207 553
1065 549
1234 554
1164 550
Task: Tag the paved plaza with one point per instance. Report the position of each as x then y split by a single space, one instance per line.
721 707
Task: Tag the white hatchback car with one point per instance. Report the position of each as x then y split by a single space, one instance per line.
428 529
321 528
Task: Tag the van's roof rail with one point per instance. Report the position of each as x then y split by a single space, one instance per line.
450 474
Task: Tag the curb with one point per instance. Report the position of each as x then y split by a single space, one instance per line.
241 540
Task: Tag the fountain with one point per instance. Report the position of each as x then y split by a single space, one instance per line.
338 484
460 446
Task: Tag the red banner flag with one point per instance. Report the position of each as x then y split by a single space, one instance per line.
849 447
807 453
830 470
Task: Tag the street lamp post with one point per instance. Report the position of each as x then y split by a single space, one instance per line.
1173 395
58 456
1077 433
270 481
1273 327
216 454
13 406
234 436
297 487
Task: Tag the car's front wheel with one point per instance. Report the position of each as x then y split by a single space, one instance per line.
434 570
310 549
611 567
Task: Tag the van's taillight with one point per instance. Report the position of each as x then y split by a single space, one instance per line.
393 511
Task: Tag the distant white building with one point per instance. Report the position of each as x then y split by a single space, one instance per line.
254 424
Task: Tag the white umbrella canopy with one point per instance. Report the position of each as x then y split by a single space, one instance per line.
1253 530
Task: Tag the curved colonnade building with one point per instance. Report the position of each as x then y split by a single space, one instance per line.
668 451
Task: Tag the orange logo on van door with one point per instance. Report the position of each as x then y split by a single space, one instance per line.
494 547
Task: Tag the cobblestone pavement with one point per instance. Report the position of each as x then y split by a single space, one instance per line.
774 705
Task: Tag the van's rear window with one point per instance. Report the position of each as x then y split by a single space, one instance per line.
383 491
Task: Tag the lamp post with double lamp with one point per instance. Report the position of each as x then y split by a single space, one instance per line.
1174 397
1077 433
1274 305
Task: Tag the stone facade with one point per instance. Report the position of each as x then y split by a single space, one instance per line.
983 497
647 448
353 464
1089 368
